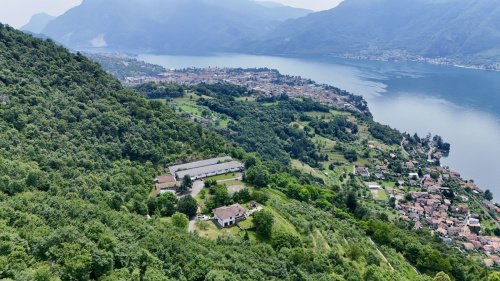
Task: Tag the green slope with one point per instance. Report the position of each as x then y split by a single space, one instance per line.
77 155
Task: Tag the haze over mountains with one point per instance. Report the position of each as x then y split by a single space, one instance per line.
38 22
468 30
171 26
445 28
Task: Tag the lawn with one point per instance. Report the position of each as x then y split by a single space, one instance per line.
389 184
223 177
248 223
191 109
213 231
380 195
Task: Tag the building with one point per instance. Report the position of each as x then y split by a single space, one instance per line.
165 184
211 170
206 168
413 176
197 164
229 215
362 171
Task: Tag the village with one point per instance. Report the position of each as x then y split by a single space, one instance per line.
264 82
425 197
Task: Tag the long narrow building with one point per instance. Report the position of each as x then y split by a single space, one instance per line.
206 168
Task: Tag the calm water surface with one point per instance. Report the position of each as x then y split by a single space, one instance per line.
462 105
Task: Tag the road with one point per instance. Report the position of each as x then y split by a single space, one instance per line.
191 226
197 187
403 148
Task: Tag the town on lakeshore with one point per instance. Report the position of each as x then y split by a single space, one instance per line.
265 82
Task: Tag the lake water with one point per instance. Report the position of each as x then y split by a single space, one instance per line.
461 105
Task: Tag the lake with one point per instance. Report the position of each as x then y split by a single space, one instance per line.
462 105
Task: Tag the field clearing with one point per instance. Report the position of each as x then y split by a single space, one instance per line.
296 164
281 223
380 195
191 109
247 99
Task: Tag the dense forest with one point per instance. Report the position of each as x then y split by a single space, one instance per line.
78 153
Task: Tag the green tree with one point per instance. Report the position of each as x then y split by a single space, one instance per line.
76 260
221 196
441 276
260 196
250 161
352 202
242 196
187 184
165 204
494 276
188 206
283 239
263 222
180 220
258 176
488 195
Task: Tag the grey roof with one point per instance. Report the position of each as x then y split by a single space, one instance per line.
198 164
209 169
227 212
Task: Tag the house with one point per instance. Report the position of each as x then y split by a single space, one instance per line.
165 184
409 165
228 215
468 246
462 208
488 262
413 176
362 171
374 186
474 222
164 179
418 225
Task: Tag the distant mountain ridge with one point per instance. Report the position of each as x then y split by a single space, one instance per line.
468 29
167 26
37 23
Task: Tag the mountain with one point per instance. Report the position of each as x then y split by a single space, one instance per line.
37 23
444 28
166 26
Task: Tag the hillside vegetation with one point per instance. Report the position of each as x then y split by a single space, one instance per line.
78 153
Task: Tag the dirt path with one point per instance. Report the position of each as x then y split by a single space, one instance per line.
381 254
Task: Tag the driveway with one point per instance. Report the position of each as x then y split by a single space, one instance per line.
197 187
192 226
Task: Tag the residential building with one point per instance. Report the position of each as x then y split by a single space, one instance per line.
229 215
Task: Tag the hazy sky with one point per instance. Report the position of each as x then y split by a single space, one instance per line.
18 12
317 5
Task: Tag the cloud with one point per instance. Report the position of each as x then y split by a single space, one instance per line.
18 12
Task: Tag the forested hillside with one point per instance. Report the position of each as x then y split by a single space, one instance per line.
78 153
